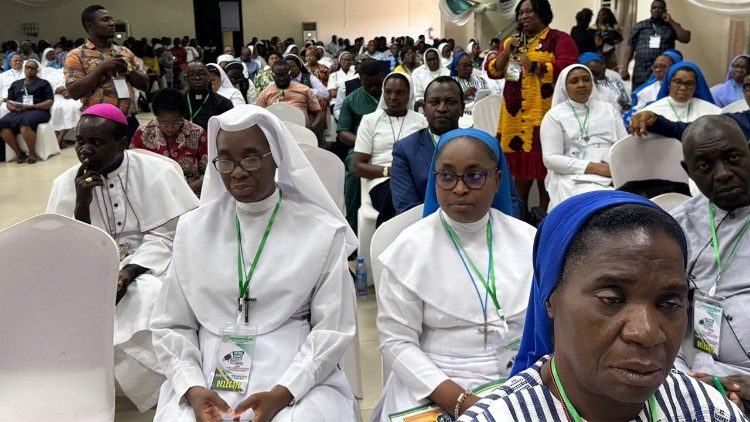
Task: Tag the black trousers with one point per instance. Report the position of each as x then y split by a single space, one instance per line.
132 126
383 202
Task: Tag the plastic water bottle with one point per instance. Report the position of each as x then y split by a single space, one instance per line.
360 284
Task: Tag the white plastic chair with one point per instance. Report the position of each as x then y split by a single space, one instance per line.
736 107
669 201
164 158
486 113
330 169
287 113
46 143
383 237
57 321
301 134
642 158
367 217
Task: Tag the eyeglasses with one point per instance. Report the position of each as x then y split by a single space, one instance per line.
465 66
249 163
659 66
473 179
687 84
168 123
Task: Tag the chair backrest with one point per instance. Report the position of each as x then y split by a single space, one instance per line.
670 200
301 134
164 158
736 107
57 320
644 158
386 234
486 113
330 169
288 113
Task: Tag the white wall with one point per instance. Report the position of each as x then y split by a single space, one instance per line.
347 18
147 18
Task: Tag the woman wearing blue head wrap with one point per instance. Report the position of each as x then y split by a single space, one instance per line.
606 317
461 70
731 90
647 92
454 289
684 96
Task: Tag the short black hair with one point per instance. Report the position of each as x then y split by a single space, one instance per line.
444 80
370 67
541 8
279 63
88 14
495 41
167 100
583 18
406 50
618 219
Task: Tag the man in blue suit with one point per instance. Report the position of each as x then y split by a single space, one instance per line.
443 106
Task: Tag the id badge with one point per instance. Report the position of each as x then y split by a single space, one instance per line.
27 100
654 41
514 72
122 88
234 357
707 317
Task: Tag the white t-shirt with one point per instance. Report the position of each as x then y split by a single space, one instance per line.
378 132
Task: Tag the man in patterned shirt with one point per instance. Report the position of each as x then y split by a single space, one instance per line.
648 39
102 72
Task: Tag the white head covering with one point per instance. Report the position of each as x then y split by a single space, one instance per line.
294 175
226 84
44 56
443 60
245 73
469 46
561 93
225 58
410 104
289 49
427 68
487 58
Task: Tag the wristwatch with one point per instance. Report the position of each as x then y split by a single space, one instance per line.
386 171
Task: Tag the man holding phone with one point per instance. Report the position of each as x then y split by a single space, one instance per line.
102 72
648 39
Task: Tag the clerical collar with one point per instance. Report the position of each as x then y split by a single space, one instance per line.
261 206
467 228
199 95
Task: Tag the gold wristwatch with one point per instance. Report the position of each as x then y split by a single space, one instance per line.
386 171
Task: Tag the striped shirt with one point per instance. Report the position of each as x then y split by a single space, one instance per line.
525 398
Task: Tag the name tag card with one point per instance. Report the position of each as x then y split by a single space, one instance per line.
654 41
234 357
121 85
707 314
27 100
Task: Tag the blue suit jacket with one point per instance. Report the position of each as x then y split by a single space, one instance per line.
410 169
670 129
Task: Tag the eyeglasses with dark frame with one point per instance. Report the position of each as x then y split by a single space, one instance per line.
473 179
688 84
249 163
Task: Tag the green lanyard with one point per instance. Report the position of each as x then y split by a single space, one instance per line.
245 284
656 31
583 126
489 282
573 413
434 142
715 244
677 115
190 107
25 88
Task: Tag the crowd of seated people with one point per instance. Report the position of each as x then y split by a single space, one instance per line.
483 312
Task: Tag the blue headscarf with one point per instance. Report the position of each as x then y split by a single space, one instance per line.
702 90
454 63
553 238
502 197
591 57
673 54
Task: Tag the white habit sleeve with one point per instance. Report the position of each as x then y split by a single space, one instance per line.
155 253
553 149
400 315
332 324
175 336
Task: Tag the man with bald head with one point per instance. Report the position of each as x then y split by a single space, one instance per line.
717 342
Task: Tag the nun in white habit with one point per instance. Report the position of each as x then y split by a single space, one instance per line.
577 134
224 86
423 75
300 294
450 315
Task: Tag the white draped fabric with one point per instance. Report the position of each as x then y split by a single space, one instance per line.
65 112
736 8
